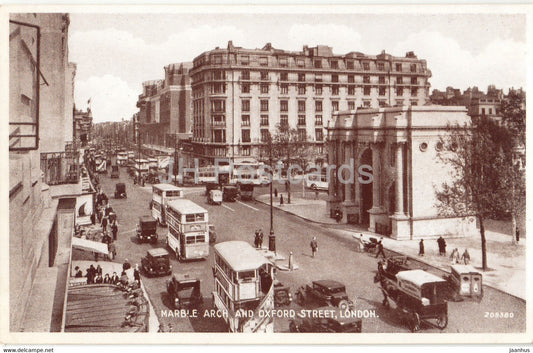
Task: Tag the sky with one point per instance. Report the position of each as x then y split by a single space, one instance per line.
116 52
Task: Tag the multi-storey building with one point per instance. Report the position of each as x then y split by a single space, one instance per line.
239 95
83 122
165 106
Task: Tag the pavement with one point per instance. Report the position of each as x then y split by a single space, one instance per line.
506 261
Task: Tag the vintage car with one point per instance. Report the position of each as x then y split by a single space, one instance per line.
156 262
465 281
325 292
120 191
147 229
418 294
212 234
214 197
282 294
230 193
336 321
211 186
184 291
115 173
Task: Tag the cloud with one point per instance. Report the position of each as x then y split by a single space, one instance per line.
501 62
111 97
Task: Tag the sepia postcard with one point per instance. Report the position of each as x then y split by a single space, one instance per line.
254 174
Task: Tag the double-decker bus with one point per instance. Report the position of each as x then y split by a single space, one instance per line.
244 287
161 195
246 172
188 230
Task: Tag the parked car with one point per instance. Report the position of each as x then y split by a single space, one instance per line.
230 193
147 229
336 323
212 234
325 292
214 197
184 291
156 262
120 191
115 173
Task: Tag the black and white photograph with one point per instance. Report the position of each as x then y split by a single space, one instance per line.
339 170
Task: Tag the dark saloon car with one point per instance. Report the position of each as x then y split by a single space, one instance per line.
184 291
337 321
156 262
230 193
147 229
325 292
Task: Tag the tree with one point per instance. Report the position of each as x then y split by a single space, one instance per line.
289 146
479 156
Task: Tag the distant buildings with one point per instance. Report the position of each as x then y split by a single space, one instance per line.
239 95
82 126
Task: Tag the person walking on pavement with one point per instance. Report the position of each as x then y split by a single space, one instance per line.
104 223
454 257
260 238
517 234
114 229
380 248
314 246
466 257
111 249
256 239
442 246
137 274
421 247
281 199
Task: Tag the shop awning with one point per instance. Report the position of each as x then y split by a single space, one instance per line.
89 245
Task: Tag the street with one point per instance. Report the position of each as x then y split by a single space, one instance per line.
336 259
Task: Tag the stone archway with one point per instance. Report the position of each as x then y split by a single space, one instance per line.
366 189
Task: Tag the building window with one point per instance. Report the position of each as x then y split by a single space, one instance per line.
351 90
366 66
335 105
284 106
414 81
382 79
245 88
349 65
318 119
301 89
414 103
366 91
399 80
245 150
245 120
318 77
218 88
366 104
381 66
490 111
334 64
413 67
366 79
245 75
300 62
284 89
399 91
399 102
217 59
319 134
283 62
264 105
245 60
382 91
219 120
318 64
334 78
246 136
482 111
318 90
264 88
398 67
284 76
318 106
301 77
264 75
265 136
301 119
219 75
351 79
219 136
351 105
218 106
301 106
264 120
414 91
335 90
382 103
263 61
284 120
302 135
245 105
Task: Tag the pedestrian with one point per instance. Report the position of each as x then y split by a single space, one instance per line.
517 234
276 192
114 229
114 278
107 279
287 183
256 239
77 272
104 223
99 279
126 265
281 199
466 257
260 238
421 247
316 194
442 246
380 248
454 257
99 270
314 246
111 249
359 247
137 274
93 218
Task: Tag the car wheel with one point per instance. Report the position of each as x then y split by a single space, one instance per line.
442 321
343 305
313 186
415 323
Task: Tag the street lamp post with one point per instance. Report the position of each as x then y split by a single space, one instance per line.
271 237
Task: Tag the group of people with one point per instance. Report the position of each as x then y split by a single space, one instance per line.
258 240
106 216
456 259
94 275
